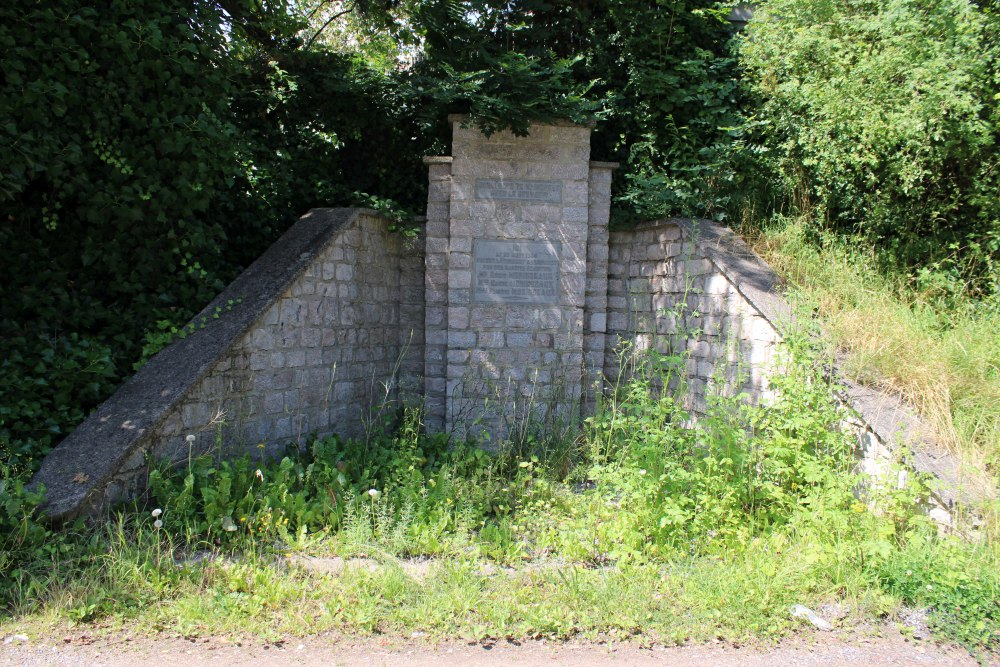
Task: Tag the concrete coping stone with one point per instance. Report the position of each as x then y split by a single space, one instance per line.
76 473
438 159
896 424
597 164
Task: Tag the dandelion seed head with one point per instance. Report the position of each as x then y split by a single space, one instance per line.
190 437
156 513
158 524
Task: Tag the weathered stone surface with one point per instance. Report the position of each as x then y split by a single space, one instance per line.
516 264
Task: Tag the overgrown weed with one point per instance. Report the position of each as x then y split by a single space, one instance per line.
921 337
662 530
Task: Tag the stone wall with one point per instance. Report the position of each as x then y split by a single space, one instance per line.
595 316
693 289
672 288
437 231
324 333
330 347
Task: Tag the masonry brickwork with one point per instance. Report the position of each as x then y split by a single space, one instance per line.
666 293
336 347
323 334
492 364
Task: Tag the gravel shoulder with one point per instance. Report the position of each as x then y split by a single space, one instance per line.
886 646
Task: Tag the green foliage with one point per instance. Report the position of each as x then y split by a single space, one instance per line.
509 91
505 64
927 339
153 149
115 142
29 549
325 489
320 129
883 116
24 538
674 96
743 473
658 76
46 386
724 524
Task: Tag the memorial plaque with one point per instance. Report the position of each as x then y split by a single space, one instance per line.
545 192
515 271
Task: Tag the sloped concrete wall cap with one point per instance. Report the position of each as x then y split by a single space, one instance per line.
77 471
752 276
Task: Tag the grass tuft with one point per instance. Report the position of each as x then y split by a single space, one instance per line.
921 337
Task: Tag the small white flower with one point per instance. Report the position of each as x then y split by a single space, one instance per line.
642 471
190 437
374 493
157 524
929 587
259 474
157 512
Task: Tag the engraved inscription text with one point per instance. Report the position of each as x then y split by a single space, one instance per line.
545 192
515 271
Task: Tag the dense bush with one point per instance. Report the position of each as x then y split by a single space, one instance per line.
882 115
116 142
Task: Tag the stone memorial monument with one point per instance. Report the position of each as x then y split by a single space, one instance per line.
511 312
516 278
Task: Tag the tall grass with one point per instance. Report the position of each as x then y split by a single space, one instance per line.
937 348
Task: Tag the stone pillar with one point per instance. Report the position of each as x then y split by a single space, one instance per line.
524 216
436 291
596 305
